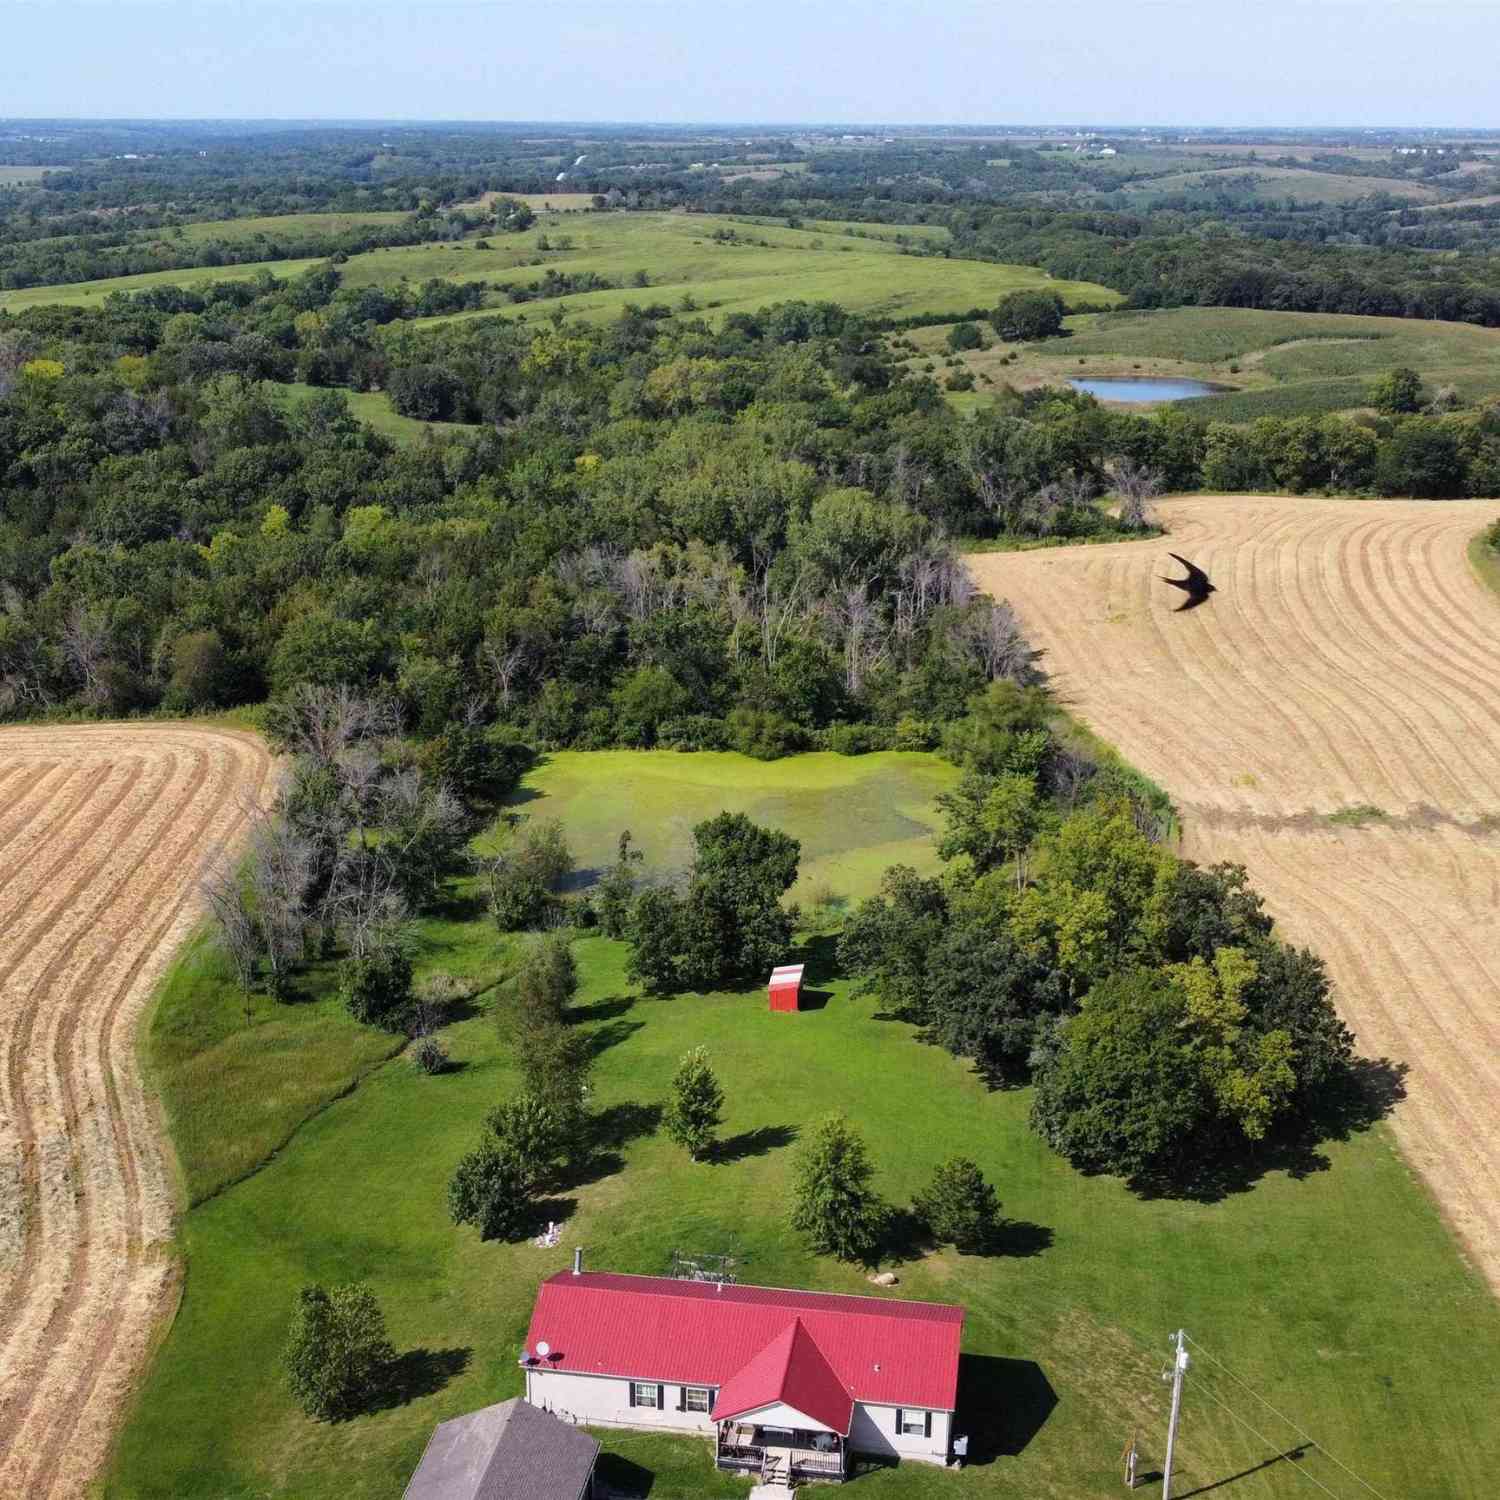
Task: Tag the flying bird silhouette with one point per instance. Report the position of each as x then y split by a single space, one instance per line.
1196 585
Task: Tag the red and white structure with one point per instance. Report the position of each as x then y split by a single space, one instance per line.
788 1384
786 987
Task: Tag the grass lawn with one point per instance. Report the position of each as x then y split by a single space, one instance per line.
1277 363
1333 1290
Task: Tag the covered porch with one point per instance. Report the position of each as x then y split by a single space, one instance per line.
780 1454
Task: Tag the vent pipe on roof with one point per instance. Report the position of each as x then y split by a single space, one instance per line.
578 1260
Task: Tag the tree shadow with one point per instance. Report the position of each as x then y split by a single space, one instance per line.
1365 1093
611 1034
1002 1405
819 958
614 1475
418 1373
758 1142
610 1132
457 906
1020 1239
599 1010
580 880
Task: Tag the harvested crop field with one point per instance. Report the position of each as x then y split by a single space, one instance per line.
103 833
1330 720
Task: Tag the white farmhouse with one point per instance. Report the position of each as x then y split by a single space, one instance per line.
788 1384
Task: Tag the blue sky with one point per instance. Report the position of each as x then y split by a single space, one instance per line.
1250 62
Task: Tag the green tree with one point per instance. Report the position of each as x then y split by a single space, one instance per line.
491 1190
886 941
696 1106
729 923
1022 316
531 1133
337 1350
988 1000
1123 1092
960 1207
1398 390
992 819
833 1204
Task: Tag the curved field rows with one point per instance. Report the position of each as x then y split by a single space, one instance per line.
1349 658
103 834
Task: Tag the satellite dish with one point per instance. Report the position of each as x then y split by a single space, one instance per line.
543 1349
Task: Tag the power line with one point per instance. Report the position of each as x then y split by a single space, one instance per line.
1302 1433
1203 1390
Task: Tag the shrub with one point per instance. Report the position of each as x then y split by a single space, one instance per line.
336 1351
965 336
857 739
761 733
430 1055
693 732
376 987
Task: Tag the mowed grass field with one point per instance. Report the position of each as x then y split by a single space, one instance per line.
768 263
1335 1291
1272 363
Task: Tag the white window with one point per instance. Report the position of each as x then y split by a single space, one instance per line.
695 1398
643 1393
914 1423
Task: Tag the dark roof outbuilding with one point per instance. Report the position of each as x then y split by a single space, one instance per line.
510 1451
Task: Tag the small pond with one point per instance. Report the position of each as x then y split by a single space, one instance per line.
1143 388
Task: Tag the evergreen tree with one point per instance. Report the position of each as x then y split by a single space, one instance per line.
960 1207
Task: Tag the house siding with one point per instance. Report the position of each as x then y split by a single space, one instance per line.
605 1400
874 1431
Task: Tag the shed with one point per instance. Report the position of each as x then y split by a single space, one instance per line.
511 1451
786 987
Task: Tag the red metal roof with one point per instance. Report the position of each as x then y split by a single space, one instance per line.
791 1369
881 1349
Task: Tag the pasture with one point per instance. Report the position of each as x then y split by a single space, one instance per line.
1380 1342
105 829
1277 184
235 231
764 263
92 293
1274 363
24 176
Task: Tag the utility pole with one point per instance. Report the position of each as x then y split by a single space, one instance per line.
1179 1369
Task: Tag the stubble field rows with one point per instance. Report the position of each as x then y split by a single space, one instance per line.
104 831
1347 665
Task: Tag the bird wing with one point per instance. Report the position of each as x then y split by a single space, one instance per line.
1195 574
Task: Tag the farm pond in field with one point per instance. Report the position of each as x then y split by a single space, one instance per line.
1144 388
